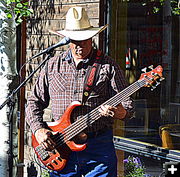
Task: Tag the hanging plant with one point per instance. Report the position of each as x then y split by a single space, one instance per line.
17 9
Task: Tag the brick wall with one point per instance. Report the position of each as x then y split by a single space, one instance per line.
47 15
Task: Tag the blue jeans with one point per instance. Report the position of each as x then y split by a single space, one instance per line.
97 160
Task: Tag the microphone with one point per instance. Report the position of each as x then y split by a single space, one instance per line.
64 41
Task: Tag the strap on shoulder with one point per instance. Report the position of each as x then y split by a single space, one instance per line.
91 76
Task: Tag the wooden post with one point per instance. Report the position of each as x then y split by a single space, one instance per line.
22 103
117 51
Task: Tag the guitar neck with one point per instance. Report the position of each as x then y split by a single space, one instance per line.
85 121
121 96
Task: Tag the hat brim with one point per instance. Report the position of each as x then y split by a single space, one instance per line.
80 35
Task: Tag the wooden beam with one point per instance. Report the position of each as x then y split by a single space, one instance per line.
22 103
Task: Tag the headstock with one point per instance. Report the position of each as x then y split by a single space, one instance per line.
153 77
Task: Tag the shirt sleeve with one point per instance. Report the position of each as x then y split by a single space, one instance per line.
118 83
38 101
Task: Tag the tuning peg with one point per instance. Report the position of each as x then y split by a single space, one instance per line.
157 83
153 87
150 67
144 69
161 78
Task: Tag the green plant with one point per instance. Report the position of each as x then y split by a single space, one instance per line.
134 167
17 9
157 5
45 174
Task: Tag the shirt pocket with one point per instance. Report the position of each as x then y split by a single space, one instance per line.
57 83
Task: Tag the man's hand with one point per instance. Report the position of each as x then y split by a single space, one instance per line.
43 137
116 112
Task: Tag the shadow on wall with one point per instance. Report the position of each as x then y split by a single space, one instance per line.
31 170
39 23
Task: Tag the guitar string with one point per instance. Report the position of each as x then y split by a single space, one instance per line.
72 130
69 132
109 102
78 125
95 113
81 122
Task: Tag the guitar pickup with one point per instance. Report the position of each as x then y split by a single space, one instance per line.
42 152
44 156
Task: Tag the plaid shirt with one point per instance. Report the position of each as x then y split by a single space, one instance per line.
62 82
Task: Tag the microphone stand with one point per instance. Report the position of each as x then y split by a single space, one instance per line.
10 101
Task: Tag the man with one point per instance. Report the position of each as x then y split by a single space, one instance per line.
62 81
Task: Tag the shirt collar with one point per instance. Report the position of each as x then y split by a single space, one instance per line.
68 57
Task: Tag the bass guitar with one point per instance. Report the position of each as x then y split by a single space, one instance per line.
56 159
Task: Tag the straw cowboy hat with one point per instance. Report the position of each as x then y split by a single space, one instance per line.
78 26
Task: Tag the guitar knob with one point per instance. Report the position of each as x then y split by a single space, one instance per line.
54 161
59 158
50 165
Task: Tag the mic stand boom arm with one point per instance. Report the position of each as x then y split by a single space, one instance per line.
47 51
10 97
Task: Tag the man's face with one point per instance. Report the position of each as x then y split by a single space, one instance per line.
81 49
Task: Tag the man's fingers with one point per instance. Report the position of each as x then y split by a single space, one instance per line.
44 145
50 140
43 136
106 110
48 144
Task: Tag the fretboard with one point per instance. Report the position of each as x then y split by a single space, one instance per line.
85 121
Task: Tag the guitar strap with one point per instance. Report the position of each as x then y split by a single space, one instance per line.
91 76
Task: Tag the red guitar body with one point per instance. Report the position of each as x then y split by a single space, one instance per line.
56 159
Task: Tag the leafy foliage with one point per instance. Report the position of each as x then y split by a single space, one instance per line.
134 167
175 7
17 9
157 5
45 173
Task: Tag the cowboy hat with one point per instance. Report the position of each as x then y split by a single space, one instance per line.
78 26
